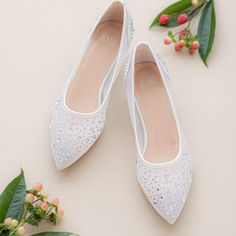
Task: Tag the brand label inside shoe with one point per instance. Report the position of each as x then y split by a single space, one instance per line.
148 81
109 39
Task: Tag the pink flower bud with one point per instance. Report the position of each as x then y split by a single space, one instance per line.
181 43
191 51
164 20
182 18
39 203
195 44
55 201
45 195
38 187
167 40
8 221
21 231
60 214
183 32
14 223
177 47
29 198
44 206
195 2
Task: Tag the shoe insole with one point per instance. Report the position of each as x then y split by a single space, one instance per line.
155 109
83 92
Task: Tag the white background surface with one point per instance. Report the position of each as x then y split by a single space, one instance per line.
39 40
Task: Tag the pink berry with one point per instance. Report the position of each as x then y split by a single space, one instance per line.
38 187
45 195
182 18
55 201
29 198
21 231
191 51
195 45
195 2
182 32
60 214
14 223
164 20
44 206
181 43
177 47
167 40
8 221
39 203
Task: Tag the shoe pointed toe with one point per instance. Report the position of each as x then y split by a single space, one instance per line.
172 202
166 187
72 136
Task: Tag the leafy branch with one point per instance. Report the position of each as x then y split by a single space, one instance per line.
19 206
181 13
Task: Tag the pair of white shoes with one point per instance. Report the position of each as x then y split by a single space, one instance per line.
164 165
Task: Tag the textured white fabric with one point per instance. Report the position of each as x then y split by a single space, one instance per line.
165 185
73 133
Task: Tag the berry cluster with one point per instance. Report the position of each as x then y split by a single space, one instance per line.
13 226
183 38
36 209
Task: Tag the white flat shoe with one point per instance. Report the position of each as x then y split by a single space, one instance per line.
80 110
164 164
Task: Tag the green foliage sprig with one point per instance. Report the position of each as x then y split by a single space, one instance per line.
19 206
182 13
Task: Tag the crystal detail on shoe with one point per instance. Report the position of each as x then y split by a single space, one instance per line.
71 136
167 187
130 27
127 65
73 133
163 65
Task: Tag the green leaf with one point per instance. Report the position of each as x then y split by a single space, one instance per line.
12 199
5 233
180 6
32 222
53 218
206 31
170 34
55 234
39 214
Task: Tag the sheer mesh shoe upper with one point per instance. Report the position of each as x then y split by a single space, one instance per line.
166 185
73 133
72 136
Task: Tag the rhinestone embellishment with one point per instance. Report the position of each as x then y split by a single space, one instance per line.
167 187
130 27
72 136
163 65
